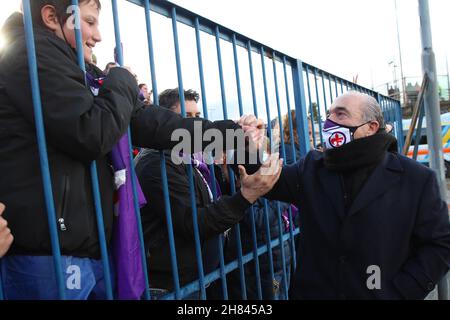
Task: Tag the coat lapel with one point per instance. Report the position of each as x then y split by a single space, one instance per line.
385 176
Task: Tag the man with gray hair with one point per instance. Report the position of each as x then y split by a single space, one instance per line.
373 224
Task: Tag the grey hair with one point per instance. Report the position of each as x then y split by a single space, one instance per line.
372 110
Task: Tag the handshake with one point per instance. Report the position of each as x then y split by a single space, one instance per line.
258 184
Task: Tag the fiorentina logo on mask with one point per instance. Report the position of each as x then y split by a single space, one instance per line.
334 135
337 139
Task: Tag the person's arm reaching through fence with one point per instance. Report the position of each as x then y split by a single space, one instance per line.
214 218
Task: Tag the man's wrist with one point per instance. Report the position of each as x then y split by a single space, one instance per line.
249 196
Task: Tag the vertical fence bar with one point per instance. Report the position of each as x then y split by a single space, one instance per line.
294 156
318 107
336 86
311 108
277 96
391 111
137 210
383 107
151 55
400 139
238 79
280 124
324 94
331 91
94 175
324 91
165 184
394 111
386 110
252 215
203 93
200 67
300 107
238 227
220 66
168 212
225 116
266 209
378 98
42 145
189 166
288 102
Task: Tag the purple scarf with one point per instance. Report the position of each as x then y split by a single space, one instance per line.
199 163
127 256
211 256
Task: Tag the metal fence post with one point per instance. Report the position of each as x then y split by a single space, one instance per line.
42 145
300 107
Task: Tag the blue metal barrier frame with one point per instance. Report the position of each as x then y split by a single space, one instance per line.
298 68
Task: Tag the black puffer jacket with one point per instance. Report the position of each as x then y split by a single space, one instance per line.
79 128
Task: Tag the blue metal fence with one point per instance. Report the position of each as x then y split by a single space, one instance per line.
310 89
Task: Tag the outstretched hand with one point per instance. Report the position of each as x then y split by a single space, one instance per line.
258 184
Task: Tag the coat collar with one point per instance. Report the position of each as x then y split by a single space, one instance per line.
384 177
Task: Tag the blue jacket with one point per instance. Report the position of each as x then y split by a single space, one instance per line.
398 222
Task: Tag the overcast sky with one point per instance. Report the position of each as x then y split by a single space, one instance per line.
344 37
